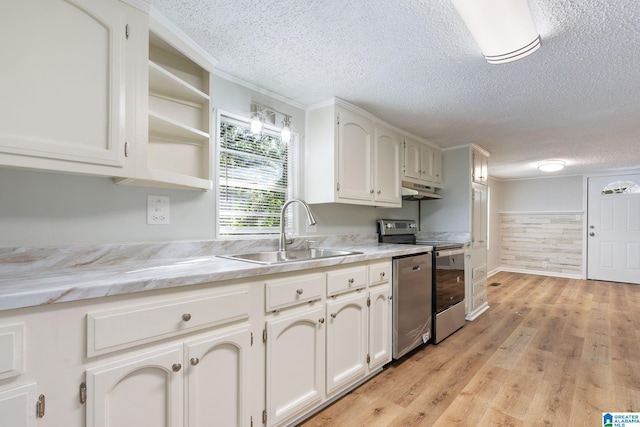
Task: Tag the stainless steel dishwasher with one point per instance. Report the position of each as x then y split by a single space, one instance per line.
412 302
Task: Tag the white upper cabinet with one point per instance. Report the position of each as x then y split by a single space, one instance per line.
64 105
351 158
422 163
480 167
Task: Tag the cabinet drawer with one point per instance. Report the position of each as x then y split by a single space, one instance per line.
479 299
122 328
282 293
379 273
480 287
479 272
346 279
11 350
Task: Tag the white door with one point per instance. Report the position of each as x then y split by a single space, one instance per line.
613 228
346 340
18 406
217 379
295 361
412 167
143 390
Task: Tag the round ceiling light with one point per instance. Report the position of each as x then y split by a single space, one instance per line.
551 165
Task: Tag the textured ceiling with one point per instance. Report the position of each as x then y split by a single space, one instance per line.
414 64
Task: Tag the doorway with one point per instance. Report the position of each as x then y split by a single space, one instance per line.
613 228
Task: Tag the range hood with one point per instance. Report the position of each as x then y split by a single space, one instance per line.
411 191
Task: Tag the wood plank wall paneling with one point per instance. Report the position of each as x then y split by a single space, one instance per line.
542 242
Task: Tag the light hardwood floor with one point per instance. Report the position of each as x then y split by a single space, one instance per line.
548 352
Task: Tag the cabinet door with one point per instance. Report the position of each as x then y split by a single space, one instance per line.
437 167
143 390
379 326
354 156
386 167
480 168
295 364
63 97
426 164
479 215
346 341
17 406
217 379
412 167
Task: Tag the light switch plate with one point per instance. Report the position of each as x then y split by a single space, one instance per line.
157 209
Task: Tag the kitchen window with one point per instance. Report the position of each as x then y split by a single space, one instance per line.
254 178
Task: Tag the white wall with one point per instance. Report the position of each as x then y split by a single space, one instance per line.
557 194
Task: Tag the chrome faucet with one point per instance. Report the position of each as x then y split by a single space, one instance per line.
282 246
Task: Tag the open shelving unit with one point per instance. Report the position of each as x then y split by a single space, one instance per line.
178 148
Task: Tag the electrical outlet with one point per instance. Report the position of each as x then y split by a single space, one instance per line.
157 209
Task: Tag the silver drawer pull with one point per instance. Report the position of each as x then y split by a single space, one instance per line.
382 275
194 361
176 367
186 317
299 291
351 281
333 315
321 320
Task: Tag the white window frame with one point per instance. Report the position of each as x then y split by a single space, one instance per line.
293 175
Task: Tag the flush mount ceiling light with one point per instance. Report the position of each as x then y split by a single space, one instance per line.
261 114
503 29
551 165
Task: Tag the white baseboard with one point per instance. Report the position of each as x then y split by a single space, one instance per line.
536 272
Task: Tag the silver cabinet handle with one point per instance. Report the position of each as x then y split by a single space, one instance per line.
194 361
176 367
382 275
379 191
351 281
186 317
299 291
333 315
592 234
321 320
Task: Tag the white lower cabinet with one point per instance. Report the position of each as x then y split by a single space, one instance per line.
17 406
294 363
145 389
347 326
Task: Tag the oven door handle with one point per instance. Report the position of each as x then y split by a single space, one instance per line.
451 252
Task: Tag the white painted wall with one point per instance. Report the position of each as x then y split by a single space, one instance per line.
555 194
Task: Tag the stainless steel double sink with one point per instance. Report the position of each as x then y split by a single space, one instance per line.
277 257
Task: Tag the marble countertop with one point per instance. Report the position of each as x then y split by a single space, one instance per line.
21 286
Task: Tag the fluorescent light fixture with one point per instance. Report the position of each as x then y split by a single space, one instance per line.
503 29
551 165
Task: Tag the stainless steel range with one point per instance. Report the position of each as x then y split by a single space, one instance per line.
449 287
447 278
